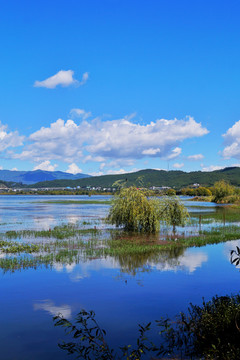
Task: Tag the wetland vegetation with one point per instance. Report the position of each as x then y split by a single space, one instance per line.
88 240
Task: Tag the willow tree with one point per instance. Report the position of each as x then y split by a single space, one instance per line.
173 212
134 211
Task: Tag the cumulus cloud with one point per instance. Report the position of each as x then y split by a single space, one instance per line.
63 78
113 140
125 139
196 157
9 139
178 165
73 169
45 165
232 142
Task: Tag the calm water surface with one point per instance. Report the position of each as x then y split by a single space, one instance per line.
121 296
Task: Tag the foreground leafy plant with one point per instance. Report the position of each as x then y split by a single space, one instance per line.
90 343
210 331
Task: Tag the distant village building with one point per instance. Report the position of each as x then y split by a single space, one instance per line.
160 188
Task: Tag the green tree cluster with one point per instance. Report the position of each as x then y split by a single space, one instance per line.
200 191
133 210
171 192
221 190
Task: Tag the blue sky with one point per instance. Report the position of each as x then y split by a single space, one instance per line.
113 85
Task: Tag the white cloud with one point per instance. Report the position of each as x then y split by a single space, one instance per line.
84 78
114 140
1 167
232 142
93 158
96 173
63 78
178 165
117 172
45 165
125 139
122 171
73 169
102 166
174 153
196 157
80 113
14 169
9 139
151 151
212 167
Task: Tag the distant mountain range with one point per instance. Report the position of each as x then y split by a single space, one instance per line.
149 177
32 177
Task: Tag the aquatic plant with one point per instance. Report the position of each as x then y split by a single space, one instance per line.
16 247
58 232
89 340
209 331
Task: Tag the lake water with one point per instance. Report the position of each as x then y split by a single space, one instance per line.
121 296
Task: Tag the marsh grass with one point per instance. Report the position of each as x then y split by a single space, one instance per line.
69 244
15 247
58 232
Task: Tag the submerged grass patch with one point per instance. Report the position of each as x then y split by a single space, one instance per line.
67 244
130 246
58 232
14 247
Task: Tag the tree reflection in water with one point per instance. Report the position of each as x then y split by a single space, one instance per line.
209 331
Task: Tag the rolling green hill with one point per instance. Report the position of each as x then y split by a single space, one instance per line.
147 178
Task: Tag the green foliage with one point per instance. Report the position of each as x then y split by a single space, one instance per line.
221 190
171 192
203 191
173 212
134 211
210 331
200 191
15 247
89 339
